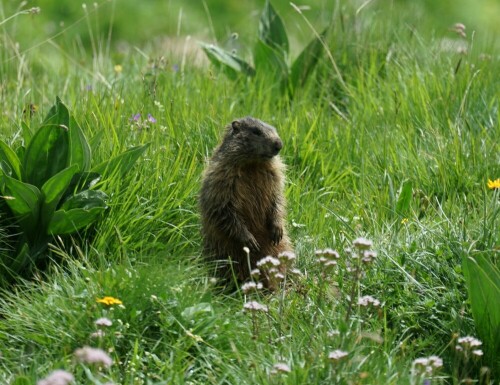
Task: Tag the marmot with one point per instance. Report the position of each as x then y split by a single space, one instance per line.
241 200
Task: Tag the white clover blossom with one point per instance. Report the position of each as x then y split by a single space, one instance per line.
57 377
96 356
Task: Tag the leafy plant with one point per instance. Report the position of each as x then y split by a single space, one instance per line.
270 55
47 188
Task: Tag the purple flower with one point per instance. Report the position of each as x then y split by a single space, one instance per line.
151 118
136 117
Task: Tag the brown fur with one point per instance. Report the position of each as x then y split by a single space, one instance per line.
241 199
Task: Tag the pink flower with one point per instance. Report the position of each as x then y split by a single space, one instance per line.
90 355
57 377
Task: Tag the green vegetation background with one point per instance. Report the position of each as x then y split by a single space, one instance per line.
419 104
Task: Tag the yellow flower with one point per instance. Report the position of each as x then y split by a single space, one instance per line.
118 68
404 221
109 301
494 184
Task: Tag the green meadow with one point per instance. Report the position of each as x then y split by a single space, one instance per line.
391 133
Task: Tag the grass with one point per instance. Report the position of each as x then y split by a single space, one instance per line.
409 110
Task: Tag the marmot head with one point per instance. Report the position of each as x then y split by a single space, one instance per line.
252 140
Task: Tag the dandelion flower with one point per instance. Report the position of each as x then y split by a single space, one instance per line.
109 301
255 307
337 355
88 355
103 322
57 377
494 184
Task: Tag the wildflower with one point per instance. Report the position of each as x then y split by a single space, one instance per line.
468 342
118 68
426 365
250 287
151 119
369 256
103 322
459 28
57 377
136 117
268 262
477 352
34 10
337 355
362 243
255 307
88 355
286 257
368 300
109 301
255 273
97 334
404 221
281 367
494 184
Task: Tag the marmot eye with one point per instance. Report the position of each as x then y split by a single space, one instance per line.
256 131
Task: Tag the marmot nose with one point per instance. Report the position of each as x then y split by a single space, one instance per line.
278 145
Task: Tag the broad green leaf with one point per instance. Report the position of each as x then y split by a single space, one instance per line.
82 181
24 201
231 64
79 149
53 190
46 154
85 200
10 159
272 30
483 284
404 198
269 62
58 115
304 65
122 163
67 222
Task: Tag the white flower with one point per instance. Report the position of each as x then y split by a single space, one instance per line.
469 342
286 256
250 287
255 306
337 355
103 322
57 377
362 243
268 262
477 352
368 300
281 367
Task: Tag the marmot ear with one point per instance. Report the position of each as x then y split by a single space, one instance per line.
236 125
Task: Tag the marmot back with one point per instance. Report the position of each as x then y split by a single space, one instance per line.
241 200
